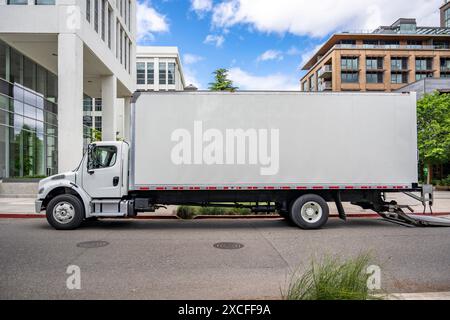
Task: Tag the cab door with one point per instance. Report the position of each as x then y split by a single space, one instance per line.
102 172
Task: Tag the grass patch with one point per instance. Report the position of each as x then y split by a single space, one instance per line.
189 212
332 279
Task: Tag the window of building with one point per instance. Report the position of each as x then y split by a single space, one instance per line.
121 46
88 10
162 73
98 123
29 73
349 77
87 103
3 60
447 18
374 77
390 43
408 28
400 63
370 43
414 44
420 76
374 63
16 67
171 73
109 25
129 14
98 104
28 120
399 78
96 15
15 2
424 64
445 64
349 63
87 121
44 2
140 72
150 73
104 4
312 83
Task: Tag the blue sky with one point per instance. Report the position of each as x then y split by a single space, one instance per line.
262 42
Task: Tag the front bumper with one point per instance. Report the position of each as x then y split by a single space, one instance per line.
38 206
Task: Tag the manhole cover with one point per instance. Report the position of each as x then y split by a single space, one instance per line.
228 245
92 244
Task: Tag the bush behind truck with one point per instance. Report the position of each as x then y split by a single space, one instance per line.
288 152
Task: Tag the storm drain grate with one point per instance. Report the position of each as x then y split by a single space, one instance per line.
228 245
92 244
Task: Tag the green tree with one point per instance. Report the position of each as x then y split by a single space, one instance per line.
433 130
96 135
221 81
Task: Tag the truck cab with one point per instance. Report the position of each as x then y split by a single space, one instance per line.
97 187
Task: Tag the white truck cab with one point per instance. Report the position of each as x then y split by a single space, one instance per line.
96 187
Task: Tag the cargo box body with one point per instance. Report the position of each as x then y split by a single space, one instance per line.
273 140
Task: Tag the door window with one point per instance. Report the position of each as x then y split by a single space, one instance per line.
102 157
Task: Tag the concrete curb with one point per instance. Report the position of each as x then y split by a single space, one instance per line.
418 296
211 217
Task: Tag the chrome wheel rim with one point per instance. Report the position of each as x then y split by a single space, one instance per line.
311 212
63 212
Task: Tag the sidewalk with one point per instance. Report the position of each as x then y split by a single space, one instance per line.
441 206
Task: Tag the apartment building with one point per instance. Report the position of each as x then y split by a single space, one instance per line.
54 54
385 59
159 68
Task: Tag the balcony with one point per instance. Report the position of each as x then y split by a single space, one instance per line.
325 86
388 47
325 72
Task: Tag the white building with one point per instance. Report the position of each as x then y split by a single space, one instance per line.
52 53
159 68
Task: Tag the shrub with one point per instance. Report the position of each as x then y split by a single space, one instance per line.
332 279
186 212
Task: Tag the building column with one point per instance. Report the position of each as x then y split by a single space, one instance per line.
70 101
127 119
109 96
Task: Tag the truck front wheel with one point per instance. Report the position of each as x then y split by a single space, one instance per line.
65 212
309 211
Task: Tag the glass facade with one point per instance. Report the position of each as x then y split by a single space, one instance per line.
28 116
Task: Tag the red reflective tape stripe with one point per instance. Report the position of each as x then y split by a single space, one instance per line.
301 188
211 188
160 188
285 188
269 188
349 187
144 188
334 187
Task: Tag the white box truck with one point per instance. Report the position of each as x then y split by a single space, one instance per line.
285 152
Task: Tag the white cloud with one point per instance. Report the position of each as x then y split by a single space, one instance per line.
293 51
318 18
270 55
214 39
201 6
246 81
149 21
190 77
189 58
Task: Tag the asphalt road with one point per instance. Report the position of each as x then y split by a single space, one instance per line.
157 259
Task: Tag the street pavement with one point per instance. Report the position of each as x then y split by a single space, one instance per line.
176 259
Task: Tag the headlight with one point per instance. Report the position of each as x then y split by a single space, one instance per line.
41 190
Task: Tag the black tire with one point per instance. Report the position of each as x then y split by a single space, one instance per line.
319 216
74 203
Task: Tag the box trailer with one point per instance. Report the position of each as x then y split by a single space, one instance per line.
284 152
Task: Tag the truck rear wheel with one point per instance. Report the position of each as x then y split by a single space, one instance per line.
65 212
309 211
